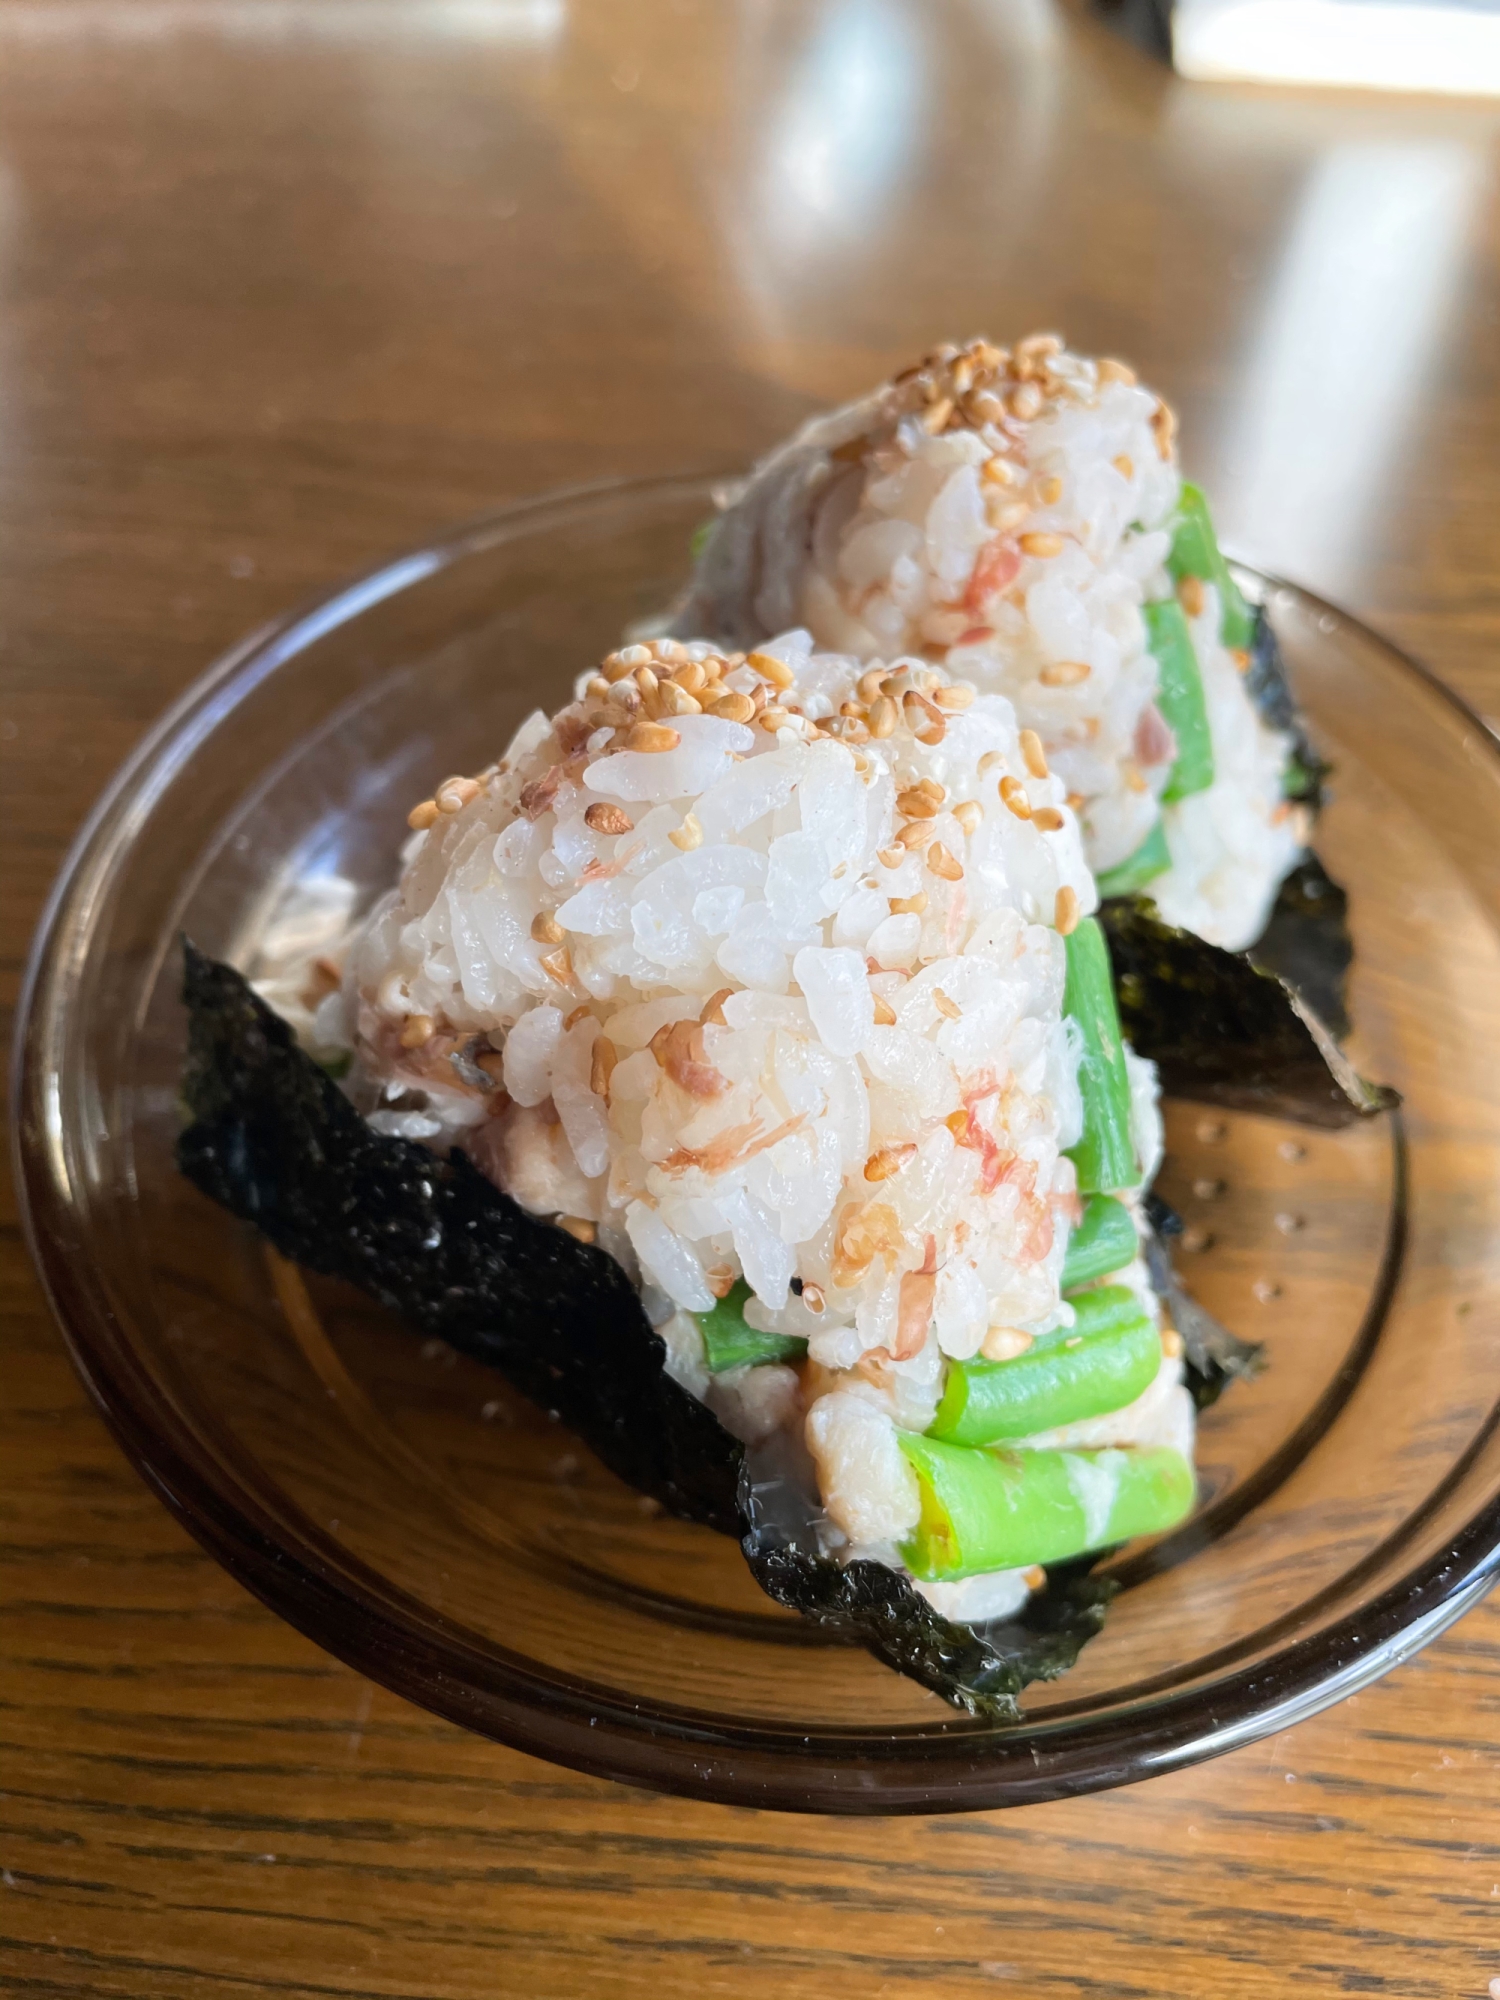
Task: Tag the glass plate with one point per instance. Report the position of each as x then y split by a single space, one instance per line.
410 1513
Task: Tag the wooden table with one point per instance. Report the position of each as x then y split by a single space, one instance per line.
287 285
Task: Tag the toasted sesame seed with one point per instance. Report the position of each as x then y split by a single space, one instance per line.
771 669
1042 543
1073 1340
713 1007
453 794
868 684
915 833
1026 401
1241 659
492 1062
673 699
1171 1342
1130 771
773 718
812 1297
604 817
955 698
937 414
991 758
957 1122
546 929
1190 595
687 836
1004 1343
415 1030
421 817
969 814
917 804
922 719
1004 516
883 716
1051 491
579 1226
885 1013
733 707
602 1066
1124 465
572 1020
1065 911
1115 371
889 1160
1034 755
890 857
616 669
931 789
949 1009
651 736
597 688
671 650
1013 797
999 471
559 966
909 906
635 656
1163 429
942 863
1064 673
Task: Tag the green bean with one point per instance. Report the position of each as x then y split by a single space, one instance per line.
1104 1241
1105 1154
729 1343
1152 858
1195 552
987 1510
1179 696
1105 1361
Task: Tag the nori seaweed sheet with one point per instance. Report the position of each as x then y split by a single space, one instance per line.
1213 1357
1223 1031
1267 686
1306 942
979 1668
275 1141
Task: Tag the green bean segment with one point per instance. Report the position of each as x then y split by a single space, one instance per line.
1104 1241
1195 551
1152 858
729 1343
1105 1361
1179 696
988 1510
1105 1154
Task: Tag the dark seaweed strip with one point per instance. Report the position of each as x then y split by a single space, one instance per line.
275 1141
1222 1031
1307 942
979 1668
1213 1357
1267 686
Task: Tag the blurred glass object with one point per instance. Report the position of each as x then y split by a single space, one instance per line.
1433 45
1338 369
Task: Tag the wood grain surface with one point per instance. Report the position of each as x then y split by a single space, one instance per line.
286 284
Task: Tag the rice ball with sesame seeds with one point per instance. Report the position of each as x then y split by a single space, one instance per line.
750 968
1012 514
